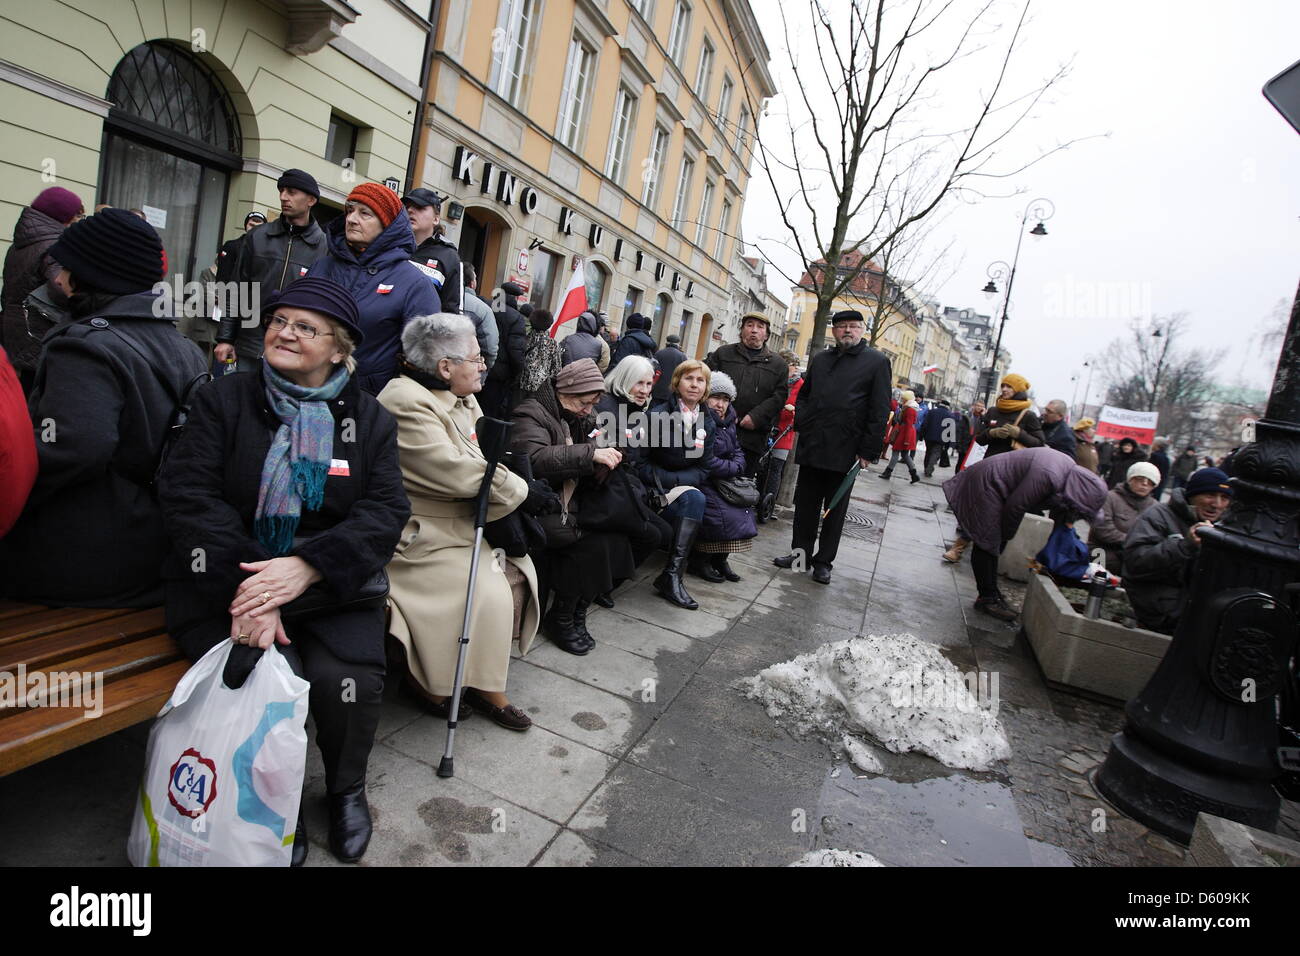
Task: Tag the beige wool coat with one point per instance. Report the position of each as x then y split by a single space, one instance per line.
442 467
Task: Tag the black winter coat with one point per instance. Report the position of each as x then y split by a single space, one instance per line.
440 261
668 358
512 341
1158 556
674 458
274 254
762 384
1060 436
1120 464
26 267
1031 431
842 407
92 532
635 342
209 492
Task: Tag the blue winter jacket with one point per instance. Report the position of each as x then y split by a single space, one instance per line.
389 289
724 521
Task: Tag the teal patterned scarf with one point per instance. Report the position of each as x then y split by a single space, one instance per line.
293 474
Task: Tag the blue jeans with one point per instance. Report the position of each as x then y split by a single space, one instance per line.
689 504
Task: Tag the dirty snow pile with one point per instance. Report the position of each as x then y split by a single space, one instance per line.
901 691
836 858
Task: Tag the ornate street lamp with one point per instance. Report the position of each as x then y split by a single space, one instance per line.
1042 210
1203 734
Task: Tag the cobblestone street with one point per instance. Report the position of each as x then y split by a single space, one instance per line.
647 751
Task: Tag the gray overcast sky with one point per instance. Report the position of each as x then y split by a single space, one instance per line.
1190 203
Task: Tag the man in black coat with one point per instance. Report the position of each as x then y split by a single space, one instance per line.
840 417
938 434
761 385
668 357
1056 431
228 257
635 341
274 255
435 256
512 335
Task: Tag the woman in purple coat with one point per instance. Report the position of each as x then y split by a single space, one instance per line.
727 528
992 496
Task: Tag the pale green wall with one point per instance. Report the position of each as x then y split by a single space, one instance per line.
283 101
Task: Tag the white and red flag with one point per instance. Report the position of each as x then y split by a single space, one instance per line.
575 299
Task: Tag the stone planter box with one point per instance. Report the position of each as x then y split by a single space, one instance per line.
1032 534
1074 651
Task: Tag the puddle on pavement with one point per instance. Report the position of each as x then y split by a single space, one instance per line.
956 818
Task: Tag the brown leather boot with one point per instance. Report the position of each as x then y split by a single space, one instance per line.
953 554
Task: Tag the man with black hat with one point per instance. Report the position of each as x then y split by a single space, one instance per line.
635 341
668 357
437 258
107 386
840 417
274 255
228 256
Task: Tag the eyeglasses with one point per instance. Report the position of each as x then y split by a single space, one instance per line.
478 360
301 329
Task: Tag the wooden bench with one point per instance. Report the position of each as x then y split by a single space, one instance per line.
139 663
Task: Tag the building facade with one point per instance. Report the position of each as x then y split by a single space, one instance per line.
189 111
610 136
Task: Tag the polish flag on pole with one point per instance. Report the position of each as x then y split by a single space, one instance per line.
575 299
929 368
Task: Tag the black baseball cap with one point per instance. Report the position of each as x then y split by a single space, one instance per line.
423 197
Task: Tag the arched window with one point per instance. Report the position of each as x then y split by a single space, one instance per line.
171 140
597 279
663 309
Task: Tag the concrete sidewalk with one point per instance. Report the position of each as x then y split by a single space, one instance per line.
645 751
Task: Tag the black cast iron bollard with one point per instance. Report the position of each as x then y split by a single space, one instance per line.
1202 735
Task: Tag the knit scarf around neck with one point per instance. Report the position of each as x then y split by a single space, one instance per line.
294 470
1016 403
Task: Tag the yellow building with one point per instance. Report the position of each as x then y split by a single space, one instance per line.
613 136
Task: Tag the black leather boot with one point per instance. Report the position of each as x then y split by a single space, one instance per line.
669 583
350 825
580 622
561 627
702 566
722 567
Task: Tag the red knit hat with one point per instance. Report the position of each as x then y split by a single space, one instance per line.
382 201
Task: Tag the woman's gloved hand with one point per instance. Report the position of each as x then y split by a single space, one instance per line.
541 499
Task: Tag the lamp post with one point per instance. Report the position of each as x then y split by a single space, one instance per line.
1160 364
1042 210
1087 389
1203 734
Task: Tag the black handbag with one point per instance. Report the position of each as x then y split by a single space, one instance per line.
320 598
616 504
741 492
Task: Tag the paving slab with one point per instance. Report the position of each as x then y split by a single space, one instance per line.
570 708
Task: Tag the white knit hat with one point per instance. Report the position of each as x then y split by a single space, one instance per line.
1143 469
720 383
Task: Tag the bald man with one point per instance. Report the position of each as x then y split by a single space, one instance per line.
1056 430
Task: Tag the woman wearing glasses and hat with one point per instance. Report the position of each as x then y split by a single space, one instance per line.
284 478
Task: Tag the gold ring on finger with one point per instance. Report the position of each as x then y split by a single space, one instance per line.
266 596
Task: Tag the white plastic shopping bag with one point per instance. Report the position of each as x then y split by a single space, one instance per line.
223 774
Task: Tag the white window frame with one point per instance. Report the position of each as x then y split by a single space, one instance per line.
685 177
576 94
742 134
659 140
704 72
724 223
706 200
679 31
724 100
644 7
517 18
620 135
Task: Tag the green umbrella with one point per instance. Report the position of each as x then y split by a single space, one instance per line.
843 489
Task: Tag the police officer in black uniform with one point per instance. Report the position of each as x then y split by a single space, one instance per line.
435 256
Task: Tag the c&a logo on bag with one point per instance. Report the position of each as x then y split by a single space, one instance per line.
193 784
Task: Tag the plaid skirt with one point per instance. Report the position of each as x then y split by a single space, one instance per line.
724 547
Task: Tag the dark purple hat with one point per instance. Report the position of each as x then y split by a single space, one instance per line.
320 295
112 251
61 205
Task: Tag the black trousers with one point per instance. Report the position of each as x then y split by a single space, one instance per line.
812 493
935 452
345 701
985 565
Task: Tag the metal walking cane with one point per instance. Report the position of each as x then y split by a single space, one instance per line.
492 434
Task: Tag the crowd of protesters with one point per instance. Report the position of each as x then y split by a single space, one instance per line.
330 482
